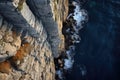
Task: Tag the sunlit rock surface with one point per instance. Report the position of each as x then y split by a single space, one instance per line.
52 14
33 23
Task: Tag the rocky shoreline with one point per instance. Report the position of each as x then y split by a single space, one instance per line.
37 38
74 21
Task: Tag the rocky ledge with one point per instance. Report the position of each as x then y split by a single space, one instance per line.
30 38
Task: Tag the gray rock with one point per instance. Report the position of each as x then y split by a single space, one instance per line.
32 24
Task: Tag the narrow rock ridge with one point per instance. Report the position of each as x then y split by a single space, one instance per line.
29 40
44 11
12 15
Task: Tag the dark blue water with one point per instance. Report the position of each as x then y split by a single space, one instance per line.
98 54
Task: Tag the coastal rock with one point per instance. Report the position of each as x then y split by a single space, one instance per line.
30 38
46 11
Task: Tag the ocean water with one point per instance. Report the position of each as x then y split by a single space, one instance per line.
97 56
70 30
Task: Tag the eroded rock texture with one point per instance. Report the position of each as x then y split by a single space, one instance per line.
30 38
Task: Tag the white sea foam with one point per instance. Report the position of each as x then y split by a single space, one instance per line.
79 14
68 53
60 74
76 38
68 63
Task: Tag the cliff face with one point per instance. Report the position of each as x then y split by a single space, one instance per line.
30 38
46 11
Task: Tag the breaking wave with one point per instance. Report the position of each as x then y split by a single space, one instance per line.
73 24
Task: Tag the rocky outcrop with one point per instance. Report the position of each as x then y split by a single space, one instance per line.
52 13
60 10
29 39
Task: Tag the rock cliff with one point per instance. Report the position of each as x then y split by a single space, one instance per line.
30 38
